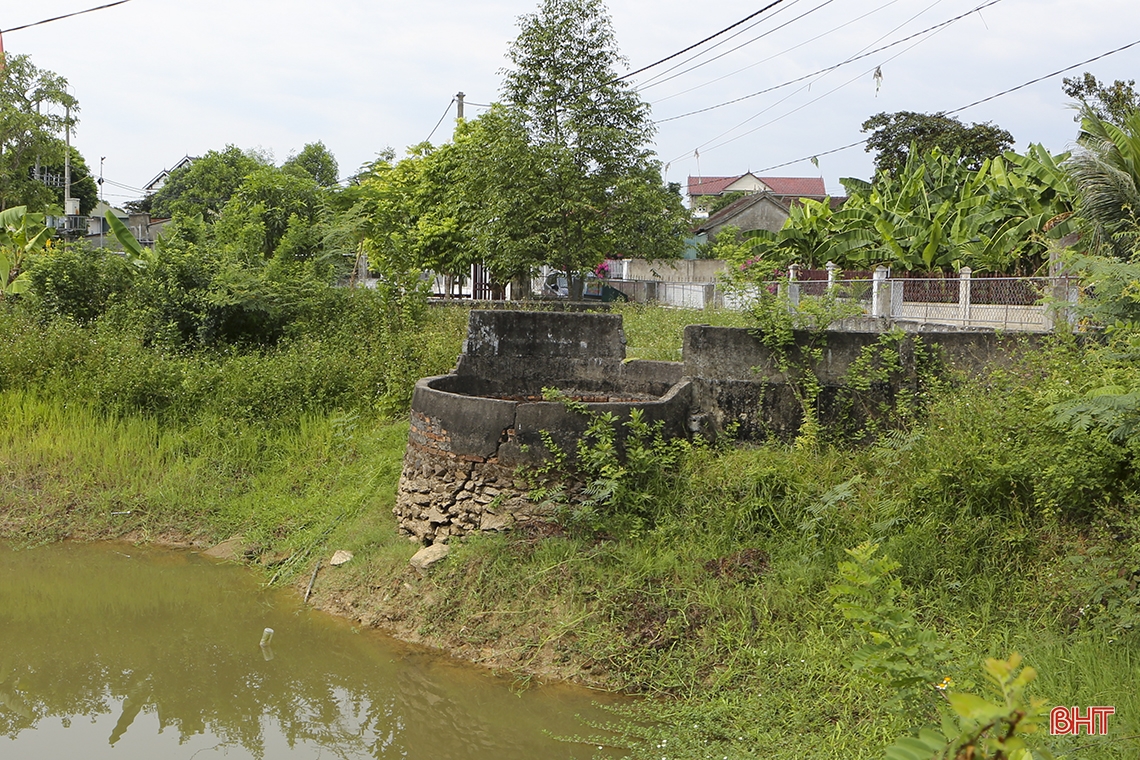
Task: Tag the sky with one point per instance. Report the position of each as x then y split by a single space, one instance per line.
160 79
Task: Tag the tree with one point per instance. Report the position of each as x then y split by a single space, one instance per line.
270 206
207 184
317 162
558 170
893 135
1106 171
1106 102
33 112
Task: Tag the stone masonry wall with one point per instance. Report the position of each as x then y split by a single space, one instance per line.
444 494
472 430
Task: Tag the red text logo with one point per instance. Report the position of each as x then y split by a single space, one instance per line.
1068 721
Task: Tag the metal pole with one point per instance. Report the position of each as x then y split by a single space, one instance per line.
67 162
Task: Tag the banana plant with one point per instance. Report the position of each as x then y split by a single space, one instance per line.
140 256
21 233
936 214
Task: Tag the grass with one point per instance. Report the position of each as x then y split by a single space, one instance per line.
1012 533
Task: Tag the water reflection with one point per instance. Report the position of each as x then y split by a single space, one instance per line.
113 651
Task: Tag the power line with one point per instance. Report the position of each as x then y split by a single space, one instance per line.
805 105
1047 76
785 51
971 105
852 59
650 83
66 15
441 118
749 17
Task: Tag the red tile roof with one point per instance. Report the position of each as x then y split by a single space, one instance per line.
710 185
793 186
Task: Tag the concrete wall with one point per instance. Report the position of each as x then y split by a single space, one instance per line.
474 430
674 270
735 378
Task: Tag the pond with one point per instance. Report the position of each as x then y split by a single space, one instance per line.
121 651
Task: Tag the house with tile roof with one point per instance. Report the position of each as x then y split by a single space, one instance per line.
702 190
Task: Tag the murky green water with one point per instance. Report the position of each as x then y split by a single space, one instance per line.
115 651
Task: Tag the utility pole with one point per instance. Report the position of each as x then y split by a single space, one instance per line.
67 165
459 96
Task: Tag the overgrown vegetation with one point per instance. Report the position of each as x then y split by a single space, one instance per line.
221 385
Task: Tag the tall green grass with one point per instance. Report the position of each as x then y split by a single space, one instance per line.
1013 533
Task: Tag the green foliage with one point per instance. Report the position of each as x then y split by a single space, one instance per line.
33 107
405 216
725 199
895 137
315 161
1105 170
265 207
561 176
77 283
21 234
936 214
205 185
623 476
1000 729
1108 102
897 649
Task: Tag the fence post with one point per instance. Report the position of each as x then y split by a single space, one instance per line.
964 294
832 276
880 293
793 284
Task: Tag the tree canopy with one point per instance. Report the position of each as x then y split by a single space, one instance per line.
894 134
1106 171
562 172
1108 102
33 112
935 214
206 184
317 162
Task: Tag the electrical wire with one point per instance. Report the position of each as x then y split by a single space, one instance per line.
441 118
670 57
1021 86
785 51
852 59
808 87
650 83
1047 76
66 15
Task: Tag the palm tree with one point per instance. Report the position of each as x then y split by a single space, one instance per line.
1105 168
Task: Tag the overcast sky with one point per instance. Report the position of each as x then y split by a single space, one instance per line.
160 79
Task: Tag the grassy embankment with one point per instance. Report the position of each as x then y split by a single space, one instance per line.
1012 533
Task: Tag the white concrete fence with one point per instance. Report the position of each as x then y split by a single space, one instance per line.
1033 304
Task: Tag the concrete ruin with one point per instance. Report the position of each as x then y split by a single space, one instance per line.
475 431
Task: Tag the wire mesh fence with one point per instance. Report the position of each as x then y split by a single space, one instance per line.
1015 303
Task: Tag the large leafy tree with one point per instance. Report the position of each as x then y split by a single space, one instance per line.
316 161
1108 102
560 169
270 208
205 185
33 112
895 135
